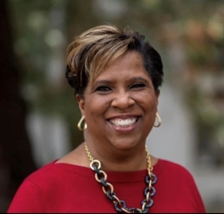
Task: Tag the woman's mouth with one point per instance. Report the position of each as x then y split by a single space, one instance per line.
123 123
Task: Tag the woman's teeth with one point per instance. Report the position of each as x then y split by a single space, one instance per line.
123 122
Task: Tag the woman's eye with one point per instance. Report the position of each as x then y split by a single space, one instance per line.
138 85
103 88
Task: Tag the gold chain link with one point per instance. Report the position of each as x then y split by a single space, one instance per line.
88 152
149 169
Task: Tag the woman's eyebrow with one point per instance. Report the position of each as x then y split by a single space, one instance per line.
133 79
139 79
102 82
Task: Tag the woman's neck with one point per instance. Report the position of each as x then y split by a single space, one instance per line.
113 159
132 160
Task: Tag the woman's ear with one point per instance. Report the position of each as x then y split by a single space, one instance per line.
157 96
157 93
81 103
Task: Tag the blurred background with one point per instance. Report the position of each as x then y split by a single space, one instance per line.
38 112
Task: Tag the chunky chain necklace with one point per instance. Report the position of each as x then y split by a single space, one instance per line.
108 189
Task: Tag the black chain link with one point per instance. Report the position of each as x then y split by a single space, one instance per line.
152 193
153 178
120 205
134 210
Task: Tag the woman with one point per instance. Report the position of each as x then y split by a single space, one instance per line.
116 76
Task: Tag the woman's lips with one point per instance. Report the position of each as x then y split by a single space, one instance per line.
124 124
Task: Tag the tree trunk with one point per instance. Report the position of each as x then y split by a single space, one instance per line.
16 160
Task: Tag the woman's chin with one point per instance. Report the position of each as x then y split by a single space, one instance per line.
124 146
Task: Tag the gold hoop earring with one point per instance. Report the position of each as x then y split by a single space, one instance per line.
159 120
80 124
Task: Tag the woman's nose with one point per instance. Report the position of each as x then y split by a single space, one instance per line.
122 100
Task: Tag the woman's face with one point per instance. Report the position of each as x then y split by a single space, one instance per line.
121 105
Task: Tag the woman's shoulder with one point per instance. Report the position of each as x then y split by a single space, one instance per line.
172 173
55 172
54 181
45 169
178 183
164 166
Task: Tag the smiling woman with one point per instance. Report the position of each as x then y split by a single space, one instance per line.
116 76
123 103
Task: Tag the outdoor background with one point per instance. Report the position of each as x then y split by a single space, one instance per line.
38 112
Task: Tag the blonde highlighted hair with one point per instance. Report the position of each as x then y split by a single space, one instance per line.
89 53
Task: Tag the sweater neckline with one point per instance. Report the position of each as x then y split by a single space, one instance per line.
113 176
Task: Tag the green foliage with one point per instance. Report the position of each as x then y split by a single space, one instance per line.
195 24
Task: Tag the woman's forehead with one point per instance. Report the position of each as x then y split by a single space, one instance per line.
130 58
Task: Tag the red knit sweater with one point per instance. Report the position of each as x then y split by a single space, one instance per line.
69 188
